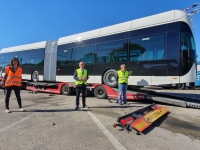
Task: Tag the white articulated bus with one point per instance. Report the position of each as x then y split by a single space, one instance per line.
158 49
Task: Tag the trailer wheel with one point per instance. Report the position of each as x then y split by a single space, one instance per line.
109 78
180 86
66 90
35 76
100 92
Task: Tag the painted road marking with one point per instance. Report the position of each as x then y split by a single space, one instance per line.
112 139
15 123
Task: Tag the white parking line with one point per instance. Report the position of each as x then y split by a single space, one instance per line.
112 139
15 123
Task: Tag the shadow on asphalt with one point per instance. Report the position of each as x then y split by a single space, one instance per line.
80 109
48 110
120 106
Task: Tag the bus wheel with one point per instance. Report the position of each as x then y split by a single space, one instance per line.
100 92
35 76
66 90
110 77
180 86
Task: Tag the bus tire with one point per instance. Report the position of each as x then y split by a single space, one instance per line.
109 78
35 76
180 86
66 90
100 92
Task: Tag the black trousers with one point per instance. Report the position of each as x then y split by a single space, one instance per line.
8 91
79 89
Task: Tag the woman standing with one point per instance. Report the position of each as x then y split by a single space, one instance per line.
13 81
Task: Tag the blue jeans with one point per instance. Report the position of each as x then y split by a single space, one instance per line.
122 92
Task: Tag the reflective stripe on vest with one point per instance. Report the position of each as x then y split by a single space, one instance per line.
80 75
122 77
13 78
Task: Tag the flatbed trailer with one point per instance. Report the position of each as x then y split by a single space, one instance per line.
100 91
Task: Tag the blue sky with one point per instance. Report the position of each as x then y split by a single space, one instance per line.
29 21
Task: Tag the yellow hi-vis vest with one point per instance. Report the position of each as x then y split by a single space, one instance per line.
80 75
122 77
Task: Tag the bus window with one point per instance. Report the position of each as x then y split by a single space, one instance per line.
65 57
173 46
31 57
85 54
187 44
112 52
147 48
193 47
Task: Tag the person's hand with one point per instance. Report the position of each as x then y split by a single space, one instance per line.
3 86
80 79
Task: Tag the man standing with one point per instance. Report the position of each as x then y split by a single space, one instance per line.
122 76
81 77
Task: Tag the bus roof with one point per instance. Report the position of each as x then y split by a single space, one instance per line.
24 47
158 19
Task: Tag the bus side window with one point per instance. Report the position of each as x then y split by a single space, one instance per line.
160 54
184 47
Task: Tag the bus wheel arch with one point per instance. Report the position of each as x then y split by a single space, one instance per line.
109 77
66 90
180 86
35 76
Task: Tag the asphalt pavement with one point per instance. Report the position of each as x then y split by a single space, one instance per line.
51 123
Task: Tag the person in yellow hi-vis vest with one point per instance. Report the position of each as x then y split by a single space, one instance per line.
122 78
81 77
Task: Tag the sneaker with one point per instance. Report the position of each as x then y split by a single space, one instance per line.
124 103
84 108
21 109
76 108
120 104
7 111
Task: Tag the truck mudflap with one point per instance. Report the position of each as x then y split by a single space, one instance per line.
141 119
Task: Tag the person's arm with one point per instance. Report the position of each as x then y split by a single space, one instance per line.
87 76
21 73
75 76
117 77
4 78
